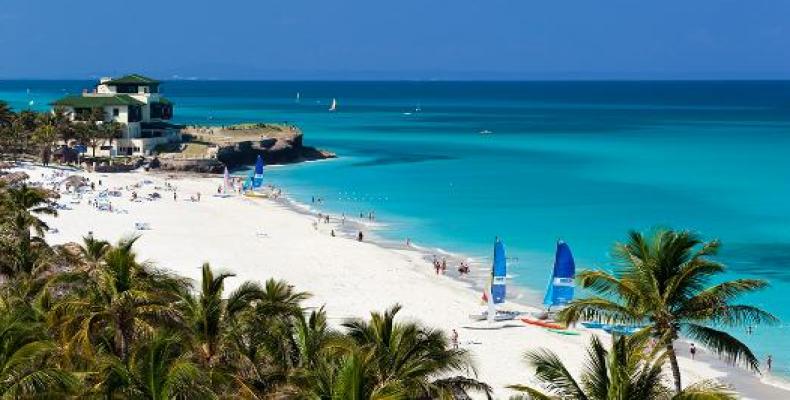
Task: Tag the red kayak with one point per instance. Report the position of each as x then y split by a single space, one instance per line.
543 324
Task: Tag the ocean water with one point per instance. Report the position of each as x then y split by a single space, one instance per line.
581 161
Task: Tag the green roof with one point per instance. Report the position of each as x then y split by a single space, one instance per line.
97 101
133 79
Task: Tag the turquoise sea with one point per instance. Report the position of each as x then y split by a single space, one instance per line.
581 161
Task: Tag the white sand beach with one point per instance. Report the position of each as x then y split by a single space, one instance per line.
259 239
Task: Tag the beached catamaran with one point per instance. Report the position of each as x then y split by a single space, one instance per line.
254 182
560 290
495 291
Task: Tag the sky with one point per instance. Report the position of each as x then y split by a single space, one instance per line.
397 39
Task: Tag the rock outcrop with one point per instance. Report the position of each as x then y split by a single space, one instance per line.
237 146
281 150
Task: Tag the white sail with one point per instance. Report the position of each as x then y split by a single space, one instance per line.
298 96
333 107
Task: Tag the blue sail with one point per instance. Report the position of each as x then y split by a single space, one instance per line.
560 290
257 178
498 273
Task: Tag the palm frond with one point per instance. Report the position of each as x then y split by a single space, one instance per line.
724 344
706 390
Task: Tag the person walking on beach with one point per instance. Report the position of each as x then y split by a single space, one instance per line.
454 339
332 233
198 196
693 351
768 363
444 265
408 242
359 236
175 196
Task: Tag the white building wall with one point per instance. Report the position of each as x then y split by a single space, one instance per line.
123 114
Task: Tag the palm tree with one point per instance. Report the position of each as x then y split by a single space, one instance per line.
628 371
20 207
413 358
28 367
109 132
663 282
45 135
115 305
263 341
92 251
208 316
159 368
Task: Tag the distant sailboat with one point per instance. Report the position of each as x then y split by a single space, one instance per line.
333 107
560 290
298 97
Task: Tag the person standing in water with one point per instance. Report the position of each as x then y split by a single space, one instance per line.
768 363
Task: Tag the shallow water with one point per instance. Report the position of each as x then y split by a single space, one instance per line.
581 161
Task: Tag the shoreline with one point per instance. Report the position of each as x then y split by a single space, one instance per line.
361 277
475 280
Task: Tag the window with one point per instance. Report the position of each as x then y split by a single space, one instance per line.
115 112
106 147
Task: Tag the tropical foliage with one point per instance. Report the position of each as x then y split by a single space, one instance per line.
37 134
92 320
630 370
665 282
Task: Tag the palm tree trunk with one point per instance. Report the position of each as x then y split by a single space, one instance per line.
673 362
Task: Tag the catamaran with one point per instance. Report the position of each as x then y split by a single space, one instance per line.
227 186
333 107
494 292
254 182
560 290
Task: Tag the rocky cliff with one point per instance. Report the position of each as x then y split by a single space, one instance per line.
210 149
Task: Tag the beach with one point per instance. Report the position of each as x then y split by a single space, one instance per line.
258 239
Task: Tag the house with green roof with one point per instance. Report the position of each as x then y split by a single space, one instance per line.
134 101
